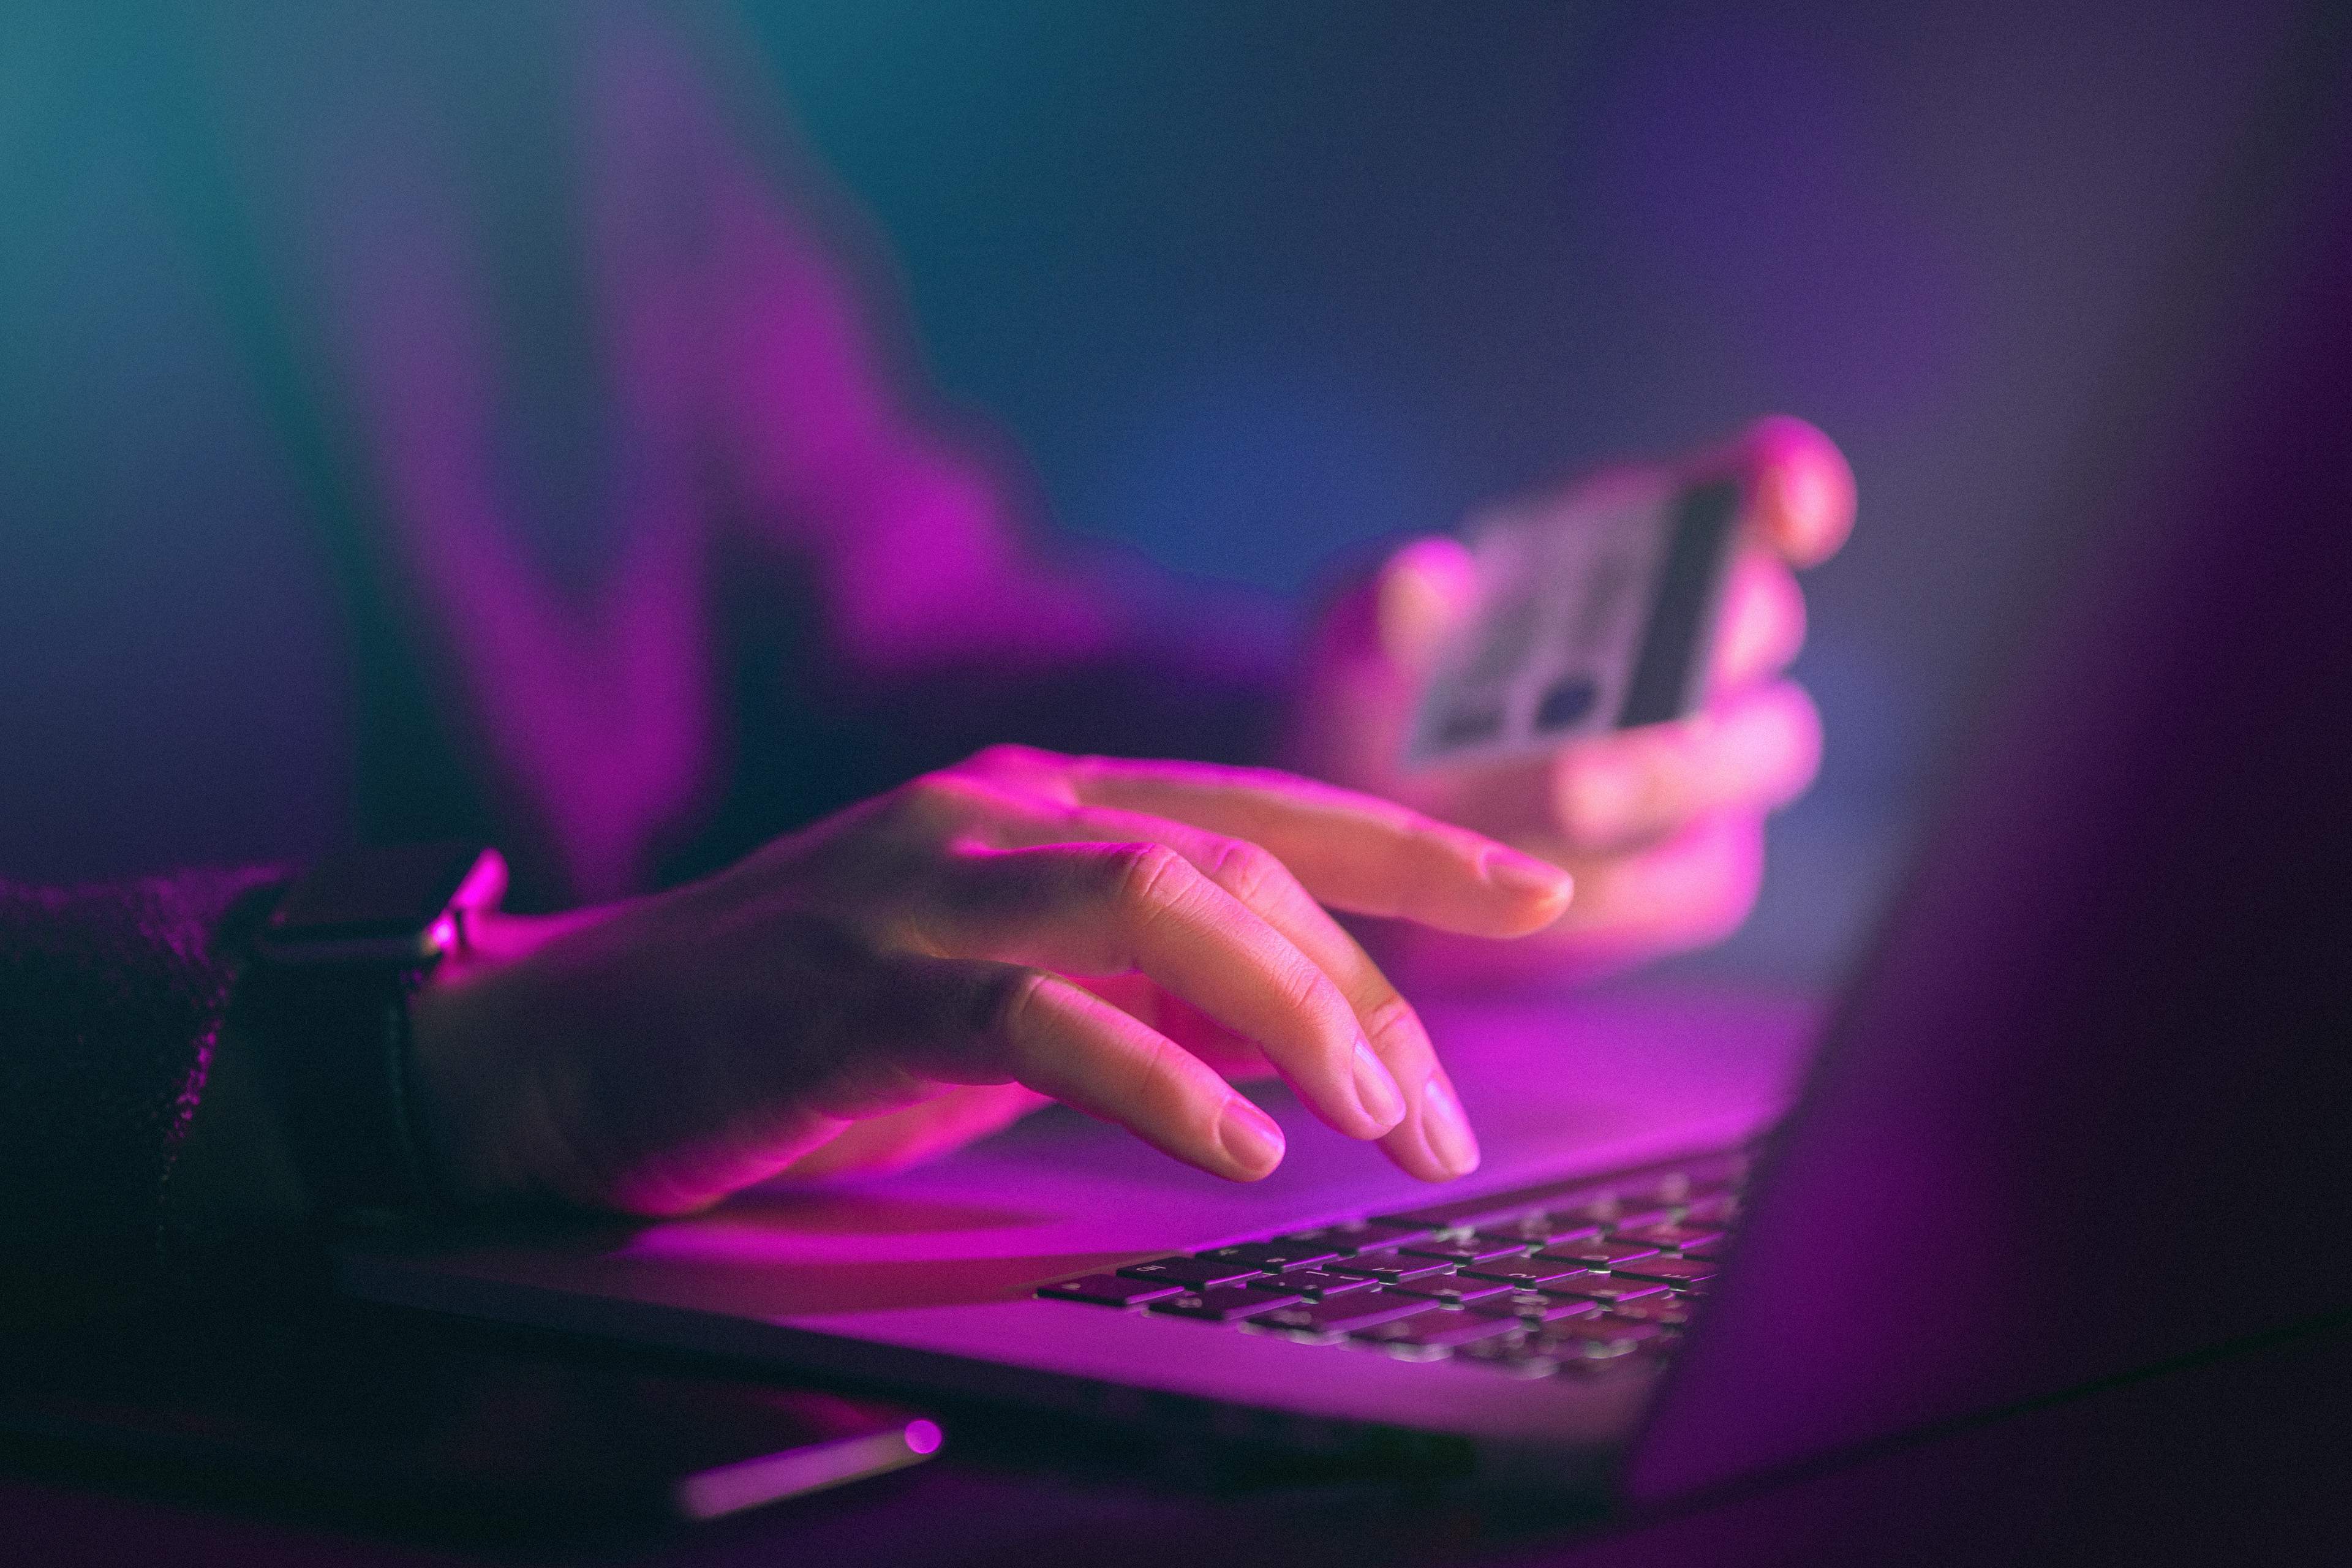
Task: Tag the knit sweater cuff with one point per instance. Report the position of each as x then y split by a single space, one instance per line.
112 999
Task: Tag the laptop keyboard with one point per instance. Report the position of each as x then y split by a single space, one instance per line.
1577 1277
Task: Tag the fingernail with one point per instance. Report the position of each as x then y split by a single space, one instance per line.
1376 1089
1517 873
1445 1130
1251 1140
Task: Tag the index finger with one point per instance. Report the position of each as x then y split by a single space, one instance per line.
1354 852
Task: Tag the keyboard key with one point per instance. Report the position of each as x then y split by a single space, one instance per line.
1472 1250
1666 1270
1641 1192
1337 1315
1388 1269
1436 1328
1531 1229
1597 1254
1537 1229
1683 1187
1353 1237
1608 1334
1106 1291
1272 1257
1518 1354
1558 1229
1520 1271
1673 1195
1599 1287
1222 1303
1315 1284
1189 1273
1710 1253
1534 1307
1669 1310
1668 1238
1635 1359
1451 1287
1470 1211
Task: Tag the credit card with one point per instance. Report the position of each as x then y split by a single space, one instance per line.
1593 616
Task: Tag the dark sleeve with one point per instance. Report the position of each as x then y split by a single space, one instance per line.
817 729
111 1000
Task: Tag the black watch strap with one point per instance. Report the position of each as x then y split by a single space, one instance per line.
326 998
334 1042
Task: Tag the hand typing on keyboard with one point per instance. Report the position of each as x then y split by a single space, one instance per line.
1121 936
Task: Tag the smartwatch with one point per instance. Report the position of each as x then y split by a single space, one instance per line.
325 998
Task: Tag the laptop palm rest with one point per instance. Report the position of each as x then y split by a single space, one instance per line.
1555 1088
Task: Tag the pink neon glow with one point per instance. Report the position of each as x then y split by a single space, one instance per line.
923 1437
757 424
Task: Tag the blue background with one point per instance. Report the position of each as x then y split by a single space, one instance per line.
1247 288
1254 287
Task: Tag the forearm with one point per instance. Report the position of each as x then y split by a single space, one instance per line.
871 651
820 729
914 593
1196 678
883 578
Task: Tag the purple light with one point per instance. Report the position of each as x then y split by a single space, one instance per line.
923 1437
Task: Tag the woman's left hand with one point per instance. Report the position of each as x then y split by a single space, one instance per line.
1662 825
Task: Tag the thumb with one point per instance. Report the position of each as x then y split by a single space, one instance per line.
1371 651
1420 596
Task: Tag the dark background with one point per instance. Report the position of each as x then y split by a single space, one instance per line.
1250 288
1253 286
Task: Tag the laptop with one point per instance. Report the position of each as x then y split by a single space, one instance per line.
2084 1111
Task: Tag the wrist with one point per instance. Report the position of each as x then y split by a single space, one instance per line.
479 1110
326 1002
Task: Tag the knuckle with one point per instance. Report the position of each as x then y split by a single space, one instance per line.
1155 1083
1005 1003
1391 1022
1308 989
1248 871
938 803
1008 758
1036 773
1148 878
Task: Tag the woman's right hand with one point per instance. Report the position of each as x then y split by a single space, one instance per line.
1121 936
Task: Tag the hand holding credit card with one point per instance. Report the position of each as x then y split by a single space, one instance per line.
1593 616
1597 673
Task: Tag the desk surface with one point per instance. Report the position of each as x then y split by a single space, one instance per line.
2201 1463
2241 1458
